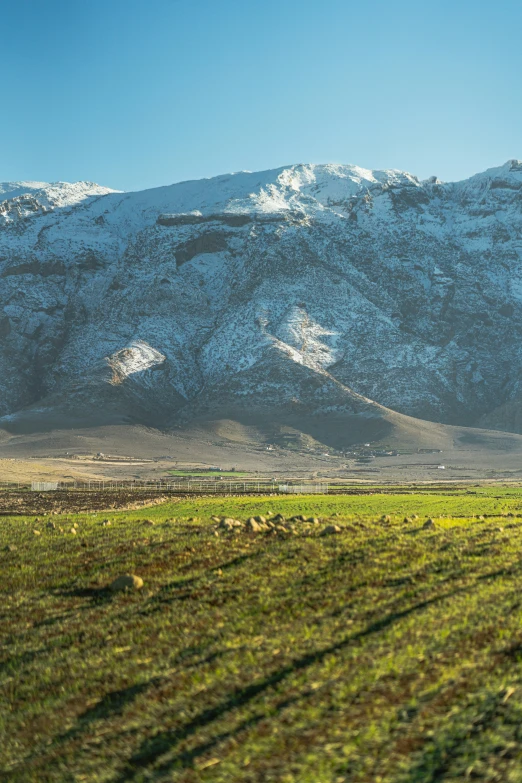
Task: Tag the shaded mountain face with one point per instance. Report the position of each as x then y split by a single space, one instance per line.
317 289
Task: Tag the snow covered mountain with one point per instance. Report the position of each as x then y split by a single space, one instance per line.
20 200
308 290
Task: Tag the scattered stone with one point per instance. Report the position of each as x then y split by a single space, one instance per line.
330 530
407 520
73 531
215 519
312 520
126 582
253 525
261 520
278 518
37 533
150 522
106 522
11 548
414 517
385 518
216 533
481 518
428 524
298 518
51 525
230 524
270 524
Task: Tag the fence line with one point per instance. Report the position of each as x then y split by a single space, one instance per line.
303 489
44 486
178 487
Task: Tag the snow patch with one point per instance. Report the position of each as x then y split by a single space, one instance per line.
136 357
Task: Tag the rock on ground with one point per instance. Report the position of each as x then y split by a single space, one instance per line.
126 582
330 530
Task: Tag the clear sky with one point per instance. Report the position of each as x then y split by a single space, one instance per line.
137 93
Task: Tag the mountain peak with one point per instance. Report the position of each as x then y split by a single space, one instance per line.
189 297
19 200
510 170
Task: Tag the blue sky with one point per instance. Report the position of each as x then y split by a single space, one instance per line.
138 93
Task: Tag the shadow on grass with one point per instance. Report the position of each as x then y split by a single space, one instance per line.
463 740
186 759
15 662
97 594
112 703
152 749
177 589
509 571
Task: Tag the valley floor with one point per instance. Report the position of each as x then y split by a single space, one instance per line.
420 452
388 651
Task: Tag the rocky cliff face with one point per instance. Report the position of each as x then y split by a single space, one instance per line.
316 289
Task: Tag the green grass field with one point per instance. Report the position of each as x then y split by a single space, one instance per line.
385 653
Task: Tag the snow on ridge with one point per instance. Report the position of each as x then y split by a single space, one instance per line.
282 190
62 194
14 189
321 179
21 200
351 178
309 186
53 194
511 170
136 357
306 340
274 191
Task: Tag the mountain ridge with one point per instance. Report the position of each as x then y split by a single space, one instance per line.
10 189
158 304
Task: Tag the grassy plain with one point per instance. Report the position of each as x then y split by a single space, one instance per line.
387 653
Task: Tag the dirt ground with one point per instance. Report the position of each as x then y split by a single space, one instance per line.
427 453
44 503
